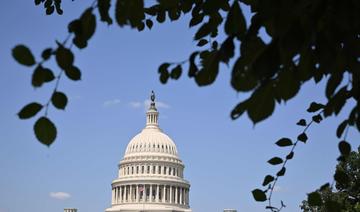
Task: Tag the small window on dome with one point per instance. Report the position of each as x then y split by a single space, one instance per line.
164 170
148 170
137 169
132 170
142 169
153 171
159 170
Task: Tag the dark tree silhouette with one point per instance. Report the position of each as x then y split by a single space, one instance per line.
345 196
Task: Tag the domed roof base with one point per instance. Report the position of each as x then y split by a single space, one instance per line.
147 208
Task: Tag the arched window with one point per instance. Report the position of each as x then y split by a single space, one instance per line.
142 169
159 170
132 170
153 171
137 169
164 170
148 170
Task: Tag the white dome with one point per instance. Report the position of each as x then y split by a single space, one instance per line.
151 141
151 173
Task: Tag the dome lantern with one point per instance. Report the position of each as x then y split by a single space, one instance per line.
152 115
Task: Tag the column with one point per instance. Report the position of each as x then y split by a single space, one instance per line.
151 191
163 197
144 193
119 194
181 195
170 194
131 193
114 191
125 191
112 195
137 193
187 196
157 193
185 202
176 195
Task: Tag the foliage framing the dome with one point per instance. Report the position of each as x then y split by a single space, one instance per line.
310 40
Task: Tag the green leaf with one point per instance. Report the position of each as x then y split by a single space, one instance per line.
149 23
64 58
23 55
196 19
73 73
259 195
46 54
58 7
59 100
239 109
88 24
50 10
318 118
202 42
315 107
176 72
261 104
268 179
104 6
83 28
341 128
275 161
203 31
345 148
301 122
227 50
210 68
41 75
241 77
314 199
290 155
284 142
45 131
192 66
29 110
287 85
174 14
164 73
281 172
161 16
302 137
235 22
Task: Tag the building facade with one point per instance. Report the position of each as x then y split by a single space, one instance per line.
150 176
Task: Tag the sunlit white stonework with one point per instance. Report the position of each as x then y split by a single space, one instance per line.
150 175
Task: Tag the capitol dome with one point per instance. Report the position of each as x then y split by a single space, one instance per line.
150 176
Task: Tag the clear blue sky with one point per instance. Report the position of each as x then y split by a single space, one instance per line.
224 159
